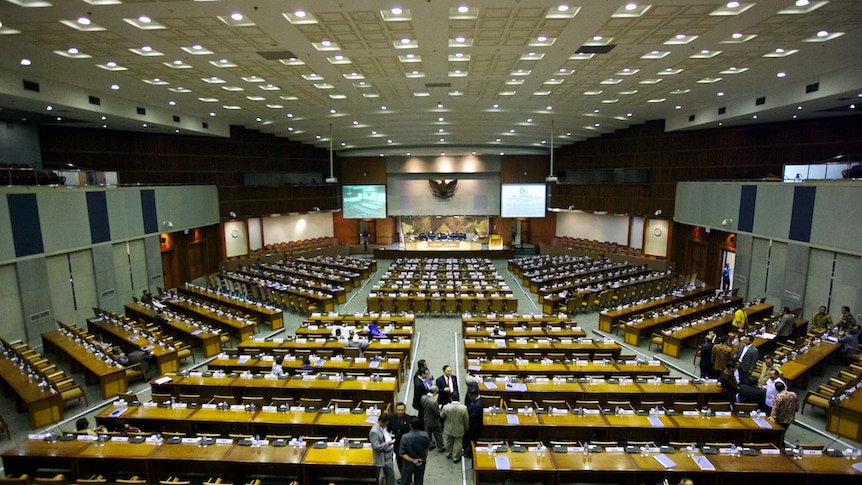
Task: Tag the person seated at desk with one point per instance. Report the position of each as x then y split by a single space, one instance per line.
124 429
277 369
138 356
119 356
849 341
374 331
821 321
159 319
307 368
82 426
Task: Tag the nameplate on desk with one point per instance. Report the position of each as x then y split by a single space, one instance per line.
190 441
592 411
587 341
469 341
196 374
497 361
770 451
163 380
237 407
654 362
389 379
691 413
812 452
722 413
151 404
500 343
81 437
269 408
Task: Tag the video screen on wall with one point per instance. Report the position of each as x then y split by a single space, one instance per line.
522 200
363 201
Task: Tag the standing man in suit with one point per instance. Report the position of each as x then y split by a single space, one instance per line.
399 425
448 386
456 421
421 385
383 446
747 357
784 330
432 419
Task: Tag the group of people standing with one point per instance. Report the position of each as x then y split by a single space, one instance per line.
736 369
442 422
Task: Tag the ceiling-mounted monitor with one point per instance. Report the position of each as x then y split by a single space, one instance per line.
523 200
363 201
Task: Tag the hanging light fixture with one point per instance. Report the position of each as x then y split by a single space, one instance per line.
332 179
552 177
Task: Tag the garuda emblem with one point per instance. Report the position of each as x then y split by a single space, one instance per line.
443 189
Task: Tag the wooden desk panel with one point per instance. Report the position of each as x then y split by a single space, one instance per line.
43 406
264 314
112 379
167 359
195 333
608 319
844 418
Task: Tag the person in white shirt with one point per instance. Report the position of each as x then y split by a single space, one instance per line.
771 392
277 369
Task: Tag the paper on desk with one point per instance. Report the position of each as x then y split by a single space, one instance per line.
371 419
474 368
858 466
703 462
502 462
517 386
512 419
655 422
665 461
490 385
762 423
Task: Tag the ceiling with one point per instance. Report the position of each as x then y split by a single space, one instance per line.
496 76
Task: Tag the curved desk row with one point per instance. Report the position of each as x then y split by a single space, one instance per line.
232 462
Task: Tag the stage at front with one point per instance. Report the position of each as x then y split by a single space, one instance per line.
442 249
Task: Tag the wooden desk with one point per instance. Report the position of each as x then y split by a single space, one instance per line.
263 314
634 331
43 406
608 319
529 466
494 347
844 417
605 391
196 333
111 378
290 365
795 372
339 462
625 427
166 358
156 462
241 328
673 341
573 368
326 389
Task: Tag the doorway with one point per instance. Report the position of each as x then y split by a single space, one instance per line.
727 258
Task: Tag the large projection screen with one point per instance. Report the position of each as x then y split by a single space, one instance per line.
523 200
364 201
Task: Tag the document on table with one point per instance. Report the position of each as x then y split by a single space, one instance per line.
762 423
502 462
703 462
490 385
512 419
655 422
665 461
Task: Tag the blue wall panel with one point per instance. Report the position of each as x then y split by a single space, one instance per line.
148 209
97 210
803 213
26 228
747 199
